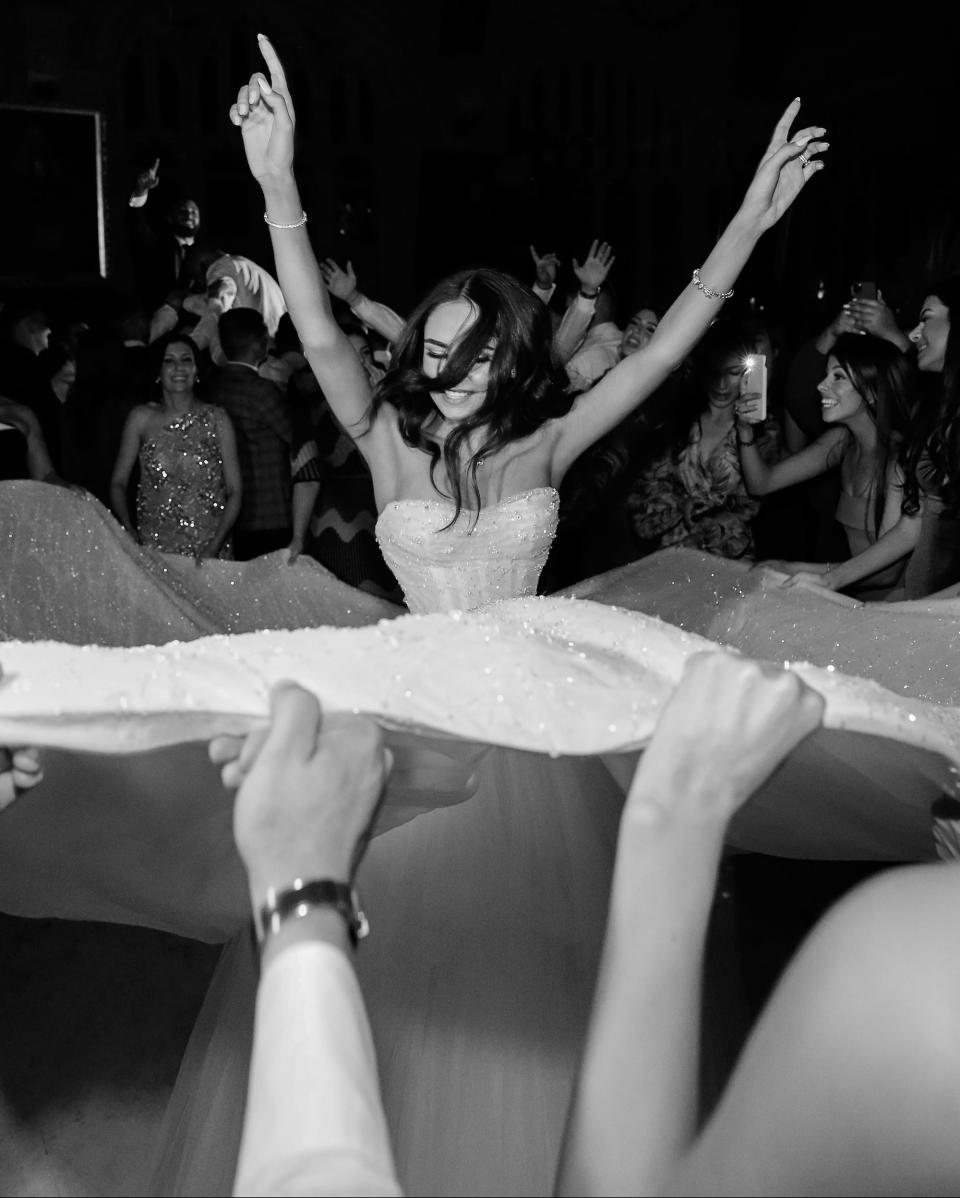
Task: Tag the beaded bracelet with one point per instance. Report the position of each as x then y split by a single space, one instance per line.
708 291
296 225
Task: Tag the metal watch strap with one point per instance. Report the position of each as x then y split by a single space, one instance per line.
300 897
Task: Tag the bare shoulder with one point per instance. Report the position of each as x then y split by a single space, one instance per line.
898 928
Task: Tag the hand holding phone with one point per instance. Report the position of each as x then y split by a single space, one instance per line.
864 291
752 405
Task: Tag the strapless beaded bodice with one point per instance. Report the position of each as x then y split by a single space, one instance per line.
496 554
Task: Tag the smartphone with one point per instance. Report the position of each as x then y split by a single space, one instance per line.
864 291
753 389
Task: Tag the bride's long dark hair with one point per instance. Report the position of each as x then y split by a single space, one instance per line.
527 385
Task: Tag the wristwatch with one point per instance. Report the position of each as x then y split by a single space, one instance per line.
301 897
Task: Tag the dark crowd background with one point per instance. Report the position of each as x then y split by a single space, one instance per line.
435 136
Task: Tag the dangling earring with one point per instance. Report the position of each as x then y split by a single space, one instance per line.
513 373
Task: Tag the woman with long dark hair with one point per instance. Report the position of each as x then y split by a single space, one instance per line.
928 529
866 401
474 412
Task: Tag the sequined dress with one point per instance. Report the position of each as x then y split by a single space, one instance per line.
487 909
182 493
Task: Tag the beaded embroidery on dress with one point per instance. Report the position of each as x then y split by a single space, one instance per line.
182 492
497 553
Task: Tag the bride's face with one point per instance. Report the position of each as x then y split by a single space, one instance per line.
446 325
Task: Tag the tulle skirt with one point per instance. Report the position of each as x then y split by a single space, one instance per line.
487 884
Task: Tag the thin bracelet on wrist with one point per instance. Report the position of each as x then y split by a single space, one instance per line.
297 224
709 291
590 295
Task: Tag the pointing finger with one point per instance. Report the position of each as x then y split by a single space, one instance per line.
278 77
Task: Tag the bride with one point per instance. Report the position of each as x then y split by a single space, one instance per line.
474 414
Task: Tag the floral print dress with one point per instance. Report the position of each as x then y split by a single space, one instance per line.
682 498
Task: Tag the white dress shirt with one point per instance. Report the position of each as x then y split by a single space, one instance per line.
314 1121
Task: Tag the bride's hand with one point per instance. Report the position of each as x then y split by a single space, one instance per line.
265 116
787 164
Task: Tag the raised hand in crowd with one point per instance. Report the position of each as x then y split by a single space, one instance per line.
340 282
593 272
546 267
148 179
843 322
876 317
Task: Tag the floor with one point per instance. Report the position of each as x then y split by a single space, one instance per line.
94 1019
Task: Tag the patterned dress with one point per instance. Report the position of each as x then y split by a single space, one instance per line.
182 491
681 498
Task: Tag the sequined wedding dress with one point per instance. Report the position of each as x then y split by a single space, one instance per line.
487 908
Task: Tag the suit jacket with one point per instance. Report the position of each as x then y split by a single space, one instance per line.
262 423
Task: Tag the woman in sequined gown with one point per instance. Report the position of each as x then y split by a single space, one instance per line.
190 491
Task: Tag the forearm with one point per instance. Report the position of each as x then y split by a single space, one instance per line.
227 520
573 327
890 548
379 317
314 1122
635 1105
692 312
38 460
118 501
757 474
303 501
297 269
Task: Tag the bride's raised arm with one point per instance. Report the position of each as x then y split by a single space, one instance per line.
265 116
787 164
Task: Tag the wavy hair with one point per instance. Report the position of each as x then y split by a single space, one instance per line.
527 385
938 436
884 378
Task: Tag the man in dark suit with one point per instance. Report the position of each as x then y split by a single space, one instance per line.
161 249
280 471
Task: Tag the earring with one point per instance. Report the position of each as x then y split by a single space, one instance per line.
513 373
